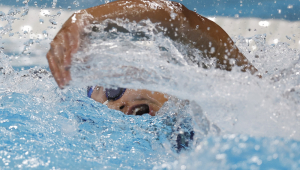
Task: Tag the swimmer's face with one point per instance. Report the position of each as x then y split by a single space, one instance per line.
133 102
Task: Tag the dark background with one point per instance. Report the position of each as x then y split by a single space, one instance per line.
265 9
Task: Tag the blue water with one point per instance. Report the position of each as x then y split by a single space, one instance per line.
69 130
75 132
75 135
43 127
266 9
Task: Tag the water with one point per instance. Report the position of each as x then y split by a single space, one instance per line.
239 120
283 9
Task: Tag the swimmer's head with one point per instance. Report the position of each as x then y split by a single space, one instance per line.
129 101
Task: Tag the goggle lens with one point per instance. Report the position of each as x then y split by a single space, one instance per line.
114 94
111 94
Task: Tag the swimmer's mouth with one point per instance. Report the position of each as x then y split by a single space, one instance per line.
139 110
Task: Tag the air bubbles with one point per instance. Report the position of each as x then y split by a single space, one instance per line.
275 41
76 3
54 3
173 15
26 28
25 2
44 12
2 14
212 50
41 21
69 8
27 45
290 6
13 12
264 23
45 33
58 13
52 21
256 160
279 11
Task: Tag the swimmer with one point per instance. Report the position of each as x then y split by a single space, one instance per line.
175 21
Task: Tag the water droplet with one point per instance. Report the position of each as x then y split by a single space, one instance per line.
2 14
45 33
76 3
41 21
25 2
69 8
279 11
52 21
54 3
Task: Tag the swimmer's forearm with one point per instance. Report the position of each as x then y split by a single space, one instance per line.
175 21
179 23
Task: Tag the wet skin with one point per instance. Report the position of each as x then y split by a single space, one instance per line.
187 27
133 102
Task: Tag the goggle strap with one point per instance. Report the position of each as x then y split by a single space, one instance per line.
90 91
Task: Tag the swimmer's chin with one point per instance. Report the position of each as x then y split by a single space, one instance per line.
140 109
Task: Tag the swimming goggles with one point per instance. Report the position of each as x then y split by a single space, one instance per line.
111 94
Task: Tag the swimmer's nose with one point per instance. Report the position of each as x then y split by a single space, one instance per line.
121 106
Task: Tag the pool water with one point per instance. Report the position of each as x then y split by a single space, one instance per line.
214 119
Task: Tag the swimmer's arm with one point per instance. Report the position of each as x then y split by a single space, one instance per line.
72 34
176 22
